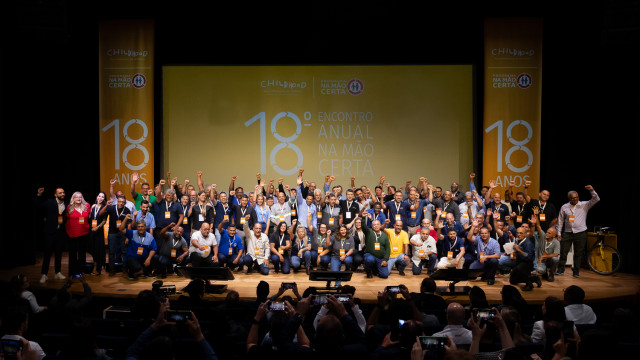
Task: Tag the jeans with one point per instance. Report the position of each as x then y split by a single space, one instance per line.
430 262
286 263
336 264
579 242
228 260
490 265
311 259
505 263
115 241
374 265
399 261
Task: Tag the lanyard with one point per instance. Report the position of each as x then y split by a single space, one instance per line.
225 208
184 210
175 243
202 209
542 206
497 208
483 248
342 243
122 213
446 206
282 240
520 209
243 211
398 206
96 211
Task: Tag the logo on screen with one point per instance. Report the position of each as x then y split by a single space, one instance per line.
524 81
138 81
355 87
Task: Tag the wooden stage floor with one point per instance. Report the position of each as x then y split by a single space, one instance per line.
598 288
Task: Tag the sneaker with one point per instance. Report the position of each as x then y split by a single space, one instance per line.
44 279
59 276
538 281
369 275
560 272
527 287
551 278
576 274
401 272
491 282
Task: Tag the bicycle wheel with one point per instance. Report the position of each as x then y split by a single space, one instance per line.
604 260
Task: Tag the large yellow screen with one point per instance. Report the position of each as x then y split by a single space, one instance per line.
401 122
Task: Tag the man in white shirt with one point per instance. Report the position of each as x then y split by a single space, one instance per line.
576 310
258 248
203 250
15 323
458 334
424 252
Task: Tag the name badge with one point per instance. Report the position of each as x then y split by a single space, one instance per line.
81 220
230 250
118 223
398 217
281 218
167 215
450 255
465 215
444 214
293 212
499 216
572 218
348 213
241 221
330 221
413 214
226 217
185 221
512 256
140 250
543 217
342 252
421 252
280 251
60 219
320 249
519 218
395 248
94 223
482 255
256 251
200 217
173 253
376 246
319 215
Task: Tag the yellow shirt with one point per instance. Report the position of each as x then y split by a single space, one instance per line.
397 242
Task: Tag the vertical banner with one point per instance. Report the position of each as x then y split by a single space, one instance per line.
512 103
126 61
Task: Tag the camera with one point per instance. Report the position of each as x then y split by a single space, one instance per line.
319 299
276 306
177 316
485 314
11 348
288 285
432 342
392 289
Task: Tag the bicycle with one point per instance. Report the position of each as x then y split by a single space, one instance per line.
603 259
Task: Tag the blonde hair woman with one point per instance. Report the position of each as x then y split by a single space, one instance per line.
78 226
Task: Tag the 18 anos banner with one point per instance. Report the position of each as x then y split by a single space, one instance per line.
512 102
126 102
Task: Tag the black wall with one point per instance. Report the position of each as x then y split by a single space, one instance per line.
49 102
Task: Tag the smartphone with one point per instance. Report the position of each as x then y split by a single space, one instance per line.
11 348
485 314
393 289
343 298
177 316
276 306
401 322
77 276
320 299
432 342
288 285
567 329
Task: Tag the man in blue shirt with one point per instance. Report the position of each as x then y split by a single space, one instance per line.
488 255
141 248
415 210
145 215
230 247
524 250
453 251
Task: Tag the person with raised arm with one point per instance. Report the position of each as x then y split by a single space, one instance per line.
174 250
237 192
572 228
280 247
416 209
144 214
396 210
307 209
399 244
548 252
168 210
230 248
146 193
117 216
200 212
258 248
524 250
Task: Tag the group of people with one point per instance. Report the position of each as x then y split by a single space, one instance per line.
303 227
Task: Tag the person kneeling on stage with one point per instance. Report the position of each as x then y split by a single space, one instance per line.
342 247
280 247
230 248
300 246
488 254
453 251
141 248
424 252
258 250
550 257
524 249
204 247
173 251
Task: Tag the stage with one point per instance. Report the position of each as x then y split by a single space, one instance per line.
598 288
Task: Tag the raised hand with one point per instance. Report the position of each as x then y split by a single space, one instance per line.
492 184
472 176
589 188
112 181
134 177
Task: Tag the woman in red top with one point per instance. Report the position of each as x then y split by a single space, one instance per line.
78 226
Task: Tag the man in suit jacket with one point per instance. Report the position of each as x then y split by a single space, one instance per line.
53 210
